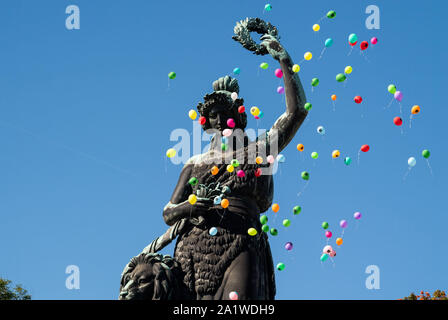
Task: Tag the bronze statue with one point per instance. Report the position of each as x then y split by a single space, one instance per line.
232 260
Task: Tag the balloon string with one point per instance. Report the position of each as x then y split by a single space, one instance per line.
303 189
350 52
401 109
390 103
334 105
407 173
365 57
429 166
359 155
322 53
410 122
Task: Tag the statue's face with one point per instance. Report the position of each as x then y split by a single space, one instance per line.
218 116
140 284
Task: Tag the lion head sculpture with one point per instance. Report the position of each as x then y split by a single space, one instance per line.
152 276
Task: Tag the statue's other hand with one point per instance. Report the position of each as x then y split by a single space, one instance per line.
273 46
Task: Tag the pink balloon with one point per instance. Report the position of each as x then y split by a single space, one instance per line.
374 40
343 223
257 117
280 90
227 132
329 250
231 123
398 95
278 73
357 215
270 158
240 173
328 234
233 295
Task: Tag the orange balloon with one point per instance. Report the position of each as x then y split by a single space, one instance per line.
333 97
259 160
300 147
415 109
214 170
224 203
339 241
275 207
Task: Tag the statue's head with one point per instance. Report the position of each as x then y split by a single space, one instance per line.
151 276
218 106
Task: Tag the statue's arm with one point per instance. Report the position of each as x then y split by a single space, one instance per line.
290 121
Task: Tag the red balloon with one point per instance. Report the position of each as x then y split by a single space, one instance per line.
241 109
365 148
358 99
364 45
352 44
258 172
398 121
202 120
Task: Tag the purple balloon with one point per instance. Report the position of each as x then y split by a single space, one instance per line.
357 215
343 223
288 246
398 95
280 90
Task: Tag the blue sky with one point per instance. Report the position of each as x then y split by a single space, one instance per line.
86 116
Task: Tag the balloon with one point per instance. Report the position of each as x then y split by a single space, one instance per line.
352 38
234 96
224 203
374 40
328 234
192 114
258 172
392 88
288 246
254 111
316 27
328 43
415 109
280 90
323 257
240 173
321 130
357 215
193 181
340 77
278 73
308 106
347 160
365 148
343 223
275 207
264 65
172 75
259 160
265 228
336 154
224 147
261 114
398 121
348 69
202 120
214 170
252 232
286 223
264 219
230 168
296 68
273 231
213 231
268 7
331 14
280 266
364 45
305 175
227 132
412 162
314 155
281 158
192 199
171 153
217 200
231 123
333 97
339 241
314 82
426 154
300 147
358 99
235 162
308 55
241 109
325 225
233 295
398 95
236 71
296 210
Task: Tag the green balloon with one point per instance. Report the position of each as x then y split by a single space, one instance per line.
224 146
323 257
193 181
235 163
392 88
340 77
268 7
172 75
297 209
308 106
264 65
274 231
426 154
286 223
331 14
264 219
314 155
265 228
305 175
325 225
314 82
347 160
280 266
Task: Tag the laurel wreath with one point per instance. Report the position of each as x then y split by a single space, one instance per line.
243 29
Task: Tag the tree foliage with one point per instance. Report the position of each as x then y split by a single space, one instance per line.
437 295
7 292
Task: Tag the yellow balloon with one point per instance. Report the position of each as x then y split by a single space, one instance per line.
336 154
316 27
308 55
192 199
230 168
171 153
252 231
259 160
348 69
192 114
254 111
296 68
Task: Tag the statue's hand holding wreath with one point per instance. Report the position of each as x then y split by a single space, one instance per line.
274 47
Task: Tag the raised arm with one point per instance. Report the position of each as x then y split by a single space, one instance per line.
289 122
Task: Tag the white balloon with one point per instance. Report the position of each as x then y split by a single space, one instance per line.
321 130
412 162
234 96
